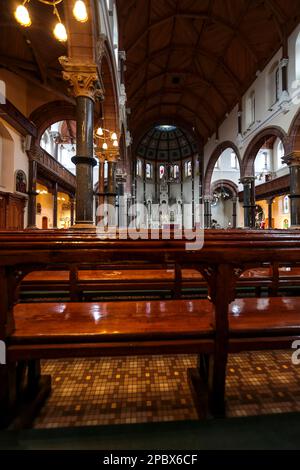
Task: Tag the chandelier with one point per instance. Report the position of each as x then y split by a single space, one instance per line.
22 15
107 142
220 194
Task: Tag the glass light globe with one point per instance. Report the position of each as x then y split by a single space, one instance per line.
60 32
99 131
115 143
105 146
80 11
114 136
22 15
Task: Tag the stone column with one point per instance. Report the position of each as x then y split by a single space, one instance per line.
293 161
32 194
234 205
121 181
270 214
111 191
55 205
249 201
207 211
83 79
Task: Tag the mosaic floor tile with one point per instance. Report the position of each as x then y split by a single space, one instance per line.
155 388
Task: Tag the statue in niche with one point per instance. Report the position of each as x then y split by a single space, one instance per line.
21 183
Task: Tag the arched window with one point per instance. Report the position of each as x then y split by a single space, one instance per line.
175 172
286 205
115 33
233 161
280 154
274 85
148 171
162 171
188 168
250 109
297 58
139 168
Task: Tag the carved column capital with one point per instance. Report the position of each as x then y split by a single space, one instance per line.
284 62
208 198
83 78
292 159
247 180
122 55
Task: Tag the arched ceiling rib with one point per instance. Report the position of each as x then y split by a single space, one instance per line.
194 60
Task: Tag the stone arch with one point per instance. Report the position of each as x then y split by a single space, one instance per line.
294 135
255 145
230 185
110 106
213 160
50 113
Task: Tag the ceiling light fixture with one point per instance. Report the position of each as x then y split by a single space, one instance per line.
22 16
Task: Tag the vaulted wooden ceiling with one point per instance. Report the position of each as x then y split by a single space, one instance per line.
192 60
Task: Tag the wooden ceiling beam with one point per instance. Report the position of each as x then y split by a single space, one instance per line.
170 44
181 91
182 48
41 66
199 80
203 16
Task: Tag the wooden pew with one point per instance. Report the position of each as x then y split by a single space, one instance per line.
221 262
149 280
89 283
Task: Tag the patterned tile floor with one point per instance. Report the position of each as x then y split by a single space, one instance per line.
155 388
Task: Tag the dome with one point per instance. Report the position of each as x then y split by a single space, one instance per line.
166 143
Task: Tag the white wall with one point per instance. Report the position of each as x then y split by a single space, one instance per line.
265 115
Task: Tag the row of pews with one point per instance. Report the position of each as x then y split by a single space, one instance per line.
211 327
155 281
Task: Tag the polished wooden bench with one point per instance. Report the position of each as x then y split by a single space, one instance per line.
51 330
124 328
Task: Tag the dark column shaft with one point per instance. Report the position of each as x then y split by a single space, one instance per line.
252 202
234 205
249 201
207 213
32 194
270 213
55 205
247 205
84 160
295 195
